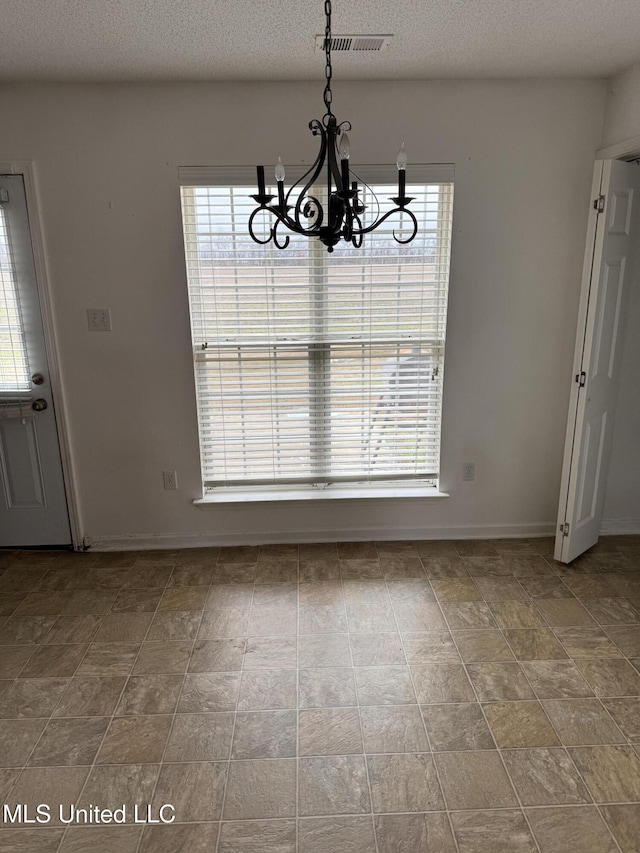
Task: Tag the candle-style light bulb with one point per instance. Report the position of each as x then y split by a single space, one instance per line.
401 159
344 146
279 170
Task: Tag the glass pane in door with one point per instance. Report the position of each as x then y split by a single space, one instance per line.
14 367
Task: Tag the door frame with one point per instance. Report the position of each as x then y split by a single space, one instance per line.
26 169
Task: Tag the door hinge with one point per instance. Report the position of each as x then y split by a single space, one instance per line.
598 204
4 195
581 378
564 529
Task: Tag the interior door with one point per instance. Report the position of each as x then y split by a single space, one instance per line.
33 506
608 275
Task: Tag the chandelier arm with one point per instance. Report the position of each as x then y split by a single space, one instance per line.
274 234
378 223
313 172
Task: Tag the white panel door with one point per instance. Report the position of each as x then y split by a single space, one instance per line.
33 506
609 274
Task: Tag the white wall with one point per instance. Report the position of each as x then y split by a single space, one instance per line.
107 159
622 505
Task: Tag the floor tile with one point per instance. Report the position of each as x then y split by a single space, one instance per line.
545 587
468 614
528 565
404 783
74 741
357 551
54 661
109 659
612 773
564 612
436 682
217 655
545 777
518 614
582 722
430 647
336 835
627 638
453 728
494 681
135 740
90 696
410 590
326 688
611 611
611 677
268 689
146 577
191 575
8 778
330 731
123 627
13 659
520 724
261 789
501 589
230 596
150 694
200 737
590 586
184 598
580 828
394 728
25 629
195 789
474 780
335 784
163 657
414 833
264 734
101 839
487 566
478 645
376 649
267 620
626 713
475 548
493 832
116 559
51 786
587 642
456 589
418 616
32 697
209 692
369 618
225 623
74 629
384 685
322 619
137 600
234 572
274 836
43 604
318 569
17 740
398 567
316 650
624 823
270 653
277 572
111 786
27 840
174 625
556 679
371 592
534 644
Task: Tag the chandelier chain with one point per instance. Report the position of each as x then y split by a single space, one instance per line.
328 95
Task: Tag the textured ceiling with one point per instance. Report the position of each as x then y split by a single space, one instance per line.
146 40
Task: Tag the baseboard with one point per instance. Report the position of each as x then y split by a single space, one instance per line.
148 541
620 526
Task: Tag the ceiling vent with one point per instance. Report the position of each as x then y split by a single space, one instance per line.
353 43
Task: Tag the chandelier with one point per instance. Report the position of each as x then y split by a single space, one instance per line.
341 217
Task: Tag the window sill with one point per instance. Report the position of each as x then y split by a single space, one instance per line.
311 493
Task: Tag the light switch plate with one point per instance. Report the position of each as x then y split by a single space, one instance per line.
99 319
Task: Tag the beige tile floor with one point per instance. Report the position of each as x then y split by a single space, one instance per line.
426 697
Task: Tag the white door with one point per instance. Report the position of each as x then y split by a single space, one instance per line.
33 506
608 274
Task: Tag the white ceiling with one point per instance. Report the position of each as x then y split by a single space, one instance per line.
146 40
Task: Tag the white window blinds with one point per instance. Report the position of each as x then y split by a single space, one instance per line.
314 367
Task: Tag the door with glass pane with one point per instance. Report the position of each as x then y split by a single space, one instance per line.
33 507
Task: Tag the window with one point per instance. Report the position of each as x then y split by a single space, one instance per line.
316 368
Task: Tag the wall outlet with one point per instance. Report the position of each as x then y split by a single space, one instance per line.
468 470
170 480
99 319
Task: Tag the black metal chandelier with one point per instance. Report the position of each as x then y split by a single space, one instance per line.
303 213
